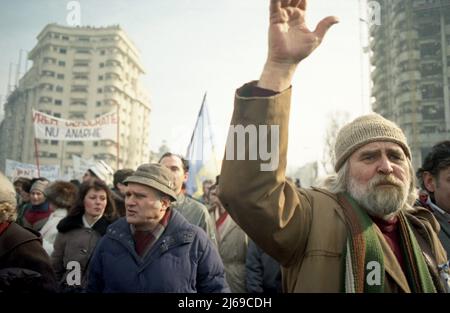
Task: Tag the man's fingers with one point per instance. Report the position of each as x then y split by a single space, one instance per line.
303 4
295 3
285 3
275 6
324 25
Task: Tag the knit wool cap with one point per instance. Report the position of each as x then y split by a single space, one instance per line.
39 185
62 194
156 176
7 191
367 129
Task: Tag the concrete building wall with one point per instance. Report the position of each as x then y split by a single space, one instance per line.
410 55
79 74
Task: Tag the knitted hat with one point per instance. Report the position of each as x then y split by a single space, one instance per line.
102 171
61 193
39 185
7 191
155 176
363 130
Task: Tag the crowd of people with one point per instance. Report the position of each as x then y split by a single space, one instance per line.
367 228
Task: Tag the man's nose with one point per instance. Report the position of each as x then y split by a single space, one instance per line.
385 166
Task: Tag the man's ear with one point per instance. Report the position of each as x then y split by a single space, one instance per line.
186 176
165 203
429 182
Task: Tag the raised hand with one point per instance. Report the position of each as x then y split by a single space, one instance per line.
290 41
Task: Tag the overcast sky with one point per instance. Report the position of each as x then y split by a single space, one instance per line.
189 47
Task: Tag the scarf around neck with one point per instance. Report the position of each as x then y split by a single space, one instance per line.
363 258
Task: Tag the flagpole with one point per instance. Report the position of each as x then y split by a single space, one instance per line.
196 123
118 135
36 150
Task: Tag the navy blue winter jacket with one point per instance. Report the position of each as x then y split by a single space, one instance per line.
182 260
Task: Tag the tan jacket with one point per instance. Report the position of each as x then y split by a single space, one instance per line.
305 230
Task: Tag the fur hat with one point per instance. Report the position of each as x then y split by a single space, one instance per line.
102 170
7 191
61 193
363 130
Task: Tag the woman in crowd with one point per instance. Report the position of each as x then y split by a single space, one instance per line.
61 196
80 231
37 214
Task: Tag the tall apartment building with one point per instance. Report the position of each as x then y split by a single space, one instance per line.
79 74
411 60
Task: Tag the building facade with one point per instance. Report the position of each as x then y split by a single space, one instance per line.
79 73
410 58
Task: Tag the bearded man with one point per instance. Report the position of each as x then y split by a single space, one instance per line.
359 233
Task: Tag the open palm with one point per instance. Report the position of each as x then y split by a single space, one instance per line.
290 40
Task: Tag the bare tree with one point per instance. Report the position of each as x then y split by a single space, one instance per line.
335 121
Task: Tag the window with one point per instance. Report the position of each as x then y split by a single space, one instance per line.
102 52
99 90
99 103
58 115
62 63
45 100
78 88
100 77
59 89
54 142
75 143
60 76
48 73
62 50
102 65
78 102
58 102
65 38
83 51
81 63
77 115
53 155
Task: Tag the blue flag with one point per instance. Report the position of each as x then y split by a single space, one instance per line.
201 153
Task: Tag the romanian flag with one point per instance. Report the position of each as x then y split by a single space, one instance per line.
201 153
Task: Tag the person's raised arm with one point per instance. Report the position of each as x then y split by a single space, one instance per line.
290 41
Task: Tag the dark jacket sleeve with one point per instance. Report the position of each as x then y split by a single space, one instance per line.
95 283
254 269
30 255
210 270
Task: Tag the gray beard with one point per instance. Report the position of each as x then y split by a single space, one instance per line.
379 201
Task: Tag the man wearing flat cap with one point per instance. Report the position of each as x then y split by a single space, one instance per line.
154 248
360 232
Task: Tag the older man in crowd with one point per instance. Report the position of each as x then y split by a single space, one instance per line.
360 233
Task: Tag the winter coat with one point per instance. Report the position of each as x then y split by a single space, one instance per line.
24 265
197 214
183 259
263 272
233 250
443 219
75 242
49 230
303 229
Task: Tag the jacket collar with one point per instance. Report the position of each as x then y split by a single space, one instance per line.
75 222
178 232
